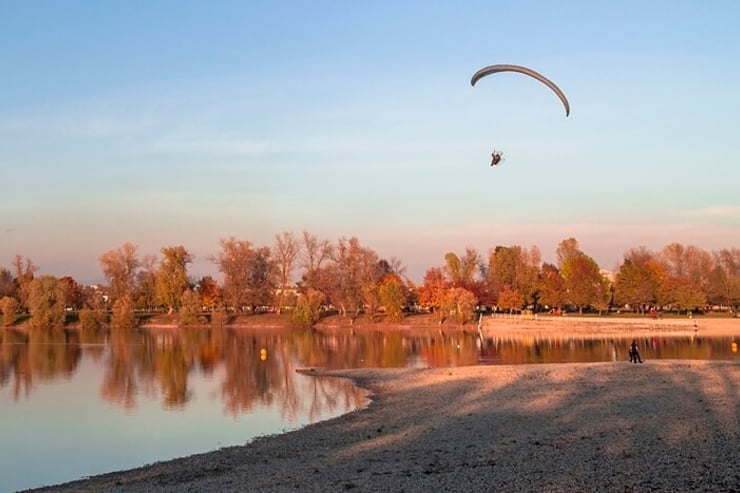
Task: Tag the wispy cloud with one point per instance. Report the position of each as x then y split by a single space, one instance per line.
717 211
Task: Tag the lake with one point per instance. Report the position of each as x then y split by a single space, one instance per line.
74 404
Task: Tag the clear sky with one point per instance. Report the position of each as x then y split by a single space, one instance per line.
167 123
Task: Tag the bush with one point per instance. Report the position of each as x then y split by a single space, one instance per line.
92 319
8 307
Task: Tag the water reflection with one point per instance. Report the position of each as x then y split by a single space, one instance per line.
258 366
575 350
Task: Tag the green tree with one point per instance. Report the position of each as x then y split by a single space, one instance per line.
46 302
172 277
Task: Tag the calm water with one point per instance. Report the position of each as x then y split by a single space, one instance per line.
76 404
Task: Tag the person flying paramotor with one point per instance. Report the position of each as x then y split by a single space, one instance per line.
493 69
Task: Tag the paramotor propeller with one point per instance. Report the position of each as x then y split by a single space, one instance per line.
493 69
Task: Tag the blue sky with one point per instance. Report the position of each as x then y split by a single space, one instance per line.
180 123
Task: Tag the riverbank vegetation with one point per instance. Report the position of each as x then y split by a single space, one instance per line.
305 279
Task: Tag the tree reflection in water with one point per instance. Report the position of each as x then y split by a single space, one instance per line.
257 367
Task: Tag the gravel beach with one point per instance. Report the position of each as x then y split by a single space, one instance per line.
659 426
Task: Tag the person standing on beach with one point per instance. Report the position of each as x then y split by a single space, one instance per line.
634 352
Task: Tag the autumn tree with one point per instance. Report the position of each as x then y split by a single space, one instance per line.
119 268
249 273
392 297
510 299
680 293
190 309
724 279
46 302
314 255
552 287
172 277
261 281
638 280
146 283
584 284
699 264
432 290
7 286
687 267
461 271
308 308
515 267
24 274
8 307
122 313
315 252
459 303
566 249
355 276
73 296
285 251
92 319
234 263
210 293
94 313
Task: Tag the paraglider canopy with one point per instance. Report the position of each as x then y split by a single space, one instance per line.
492 69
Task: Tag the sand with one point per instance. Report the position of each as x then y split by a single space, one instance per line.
659 426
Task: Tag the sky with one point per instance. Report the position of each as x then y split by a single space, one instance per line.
186 122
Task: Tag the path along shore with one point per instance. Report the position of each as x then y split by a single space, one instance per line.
661 426
596 327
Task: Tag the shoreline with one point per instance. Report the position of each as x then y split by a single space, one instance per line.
667 425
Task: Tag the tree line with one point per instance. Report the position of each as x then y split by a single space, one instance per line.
356 281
